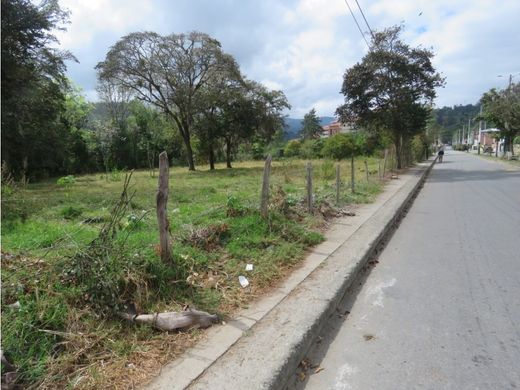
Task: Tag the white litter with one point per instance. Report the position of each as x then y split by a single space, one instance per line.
243 281
249 267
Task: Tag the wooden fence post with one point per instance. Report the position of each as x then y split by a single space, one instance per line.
379 169
366 170
338 184
352 173
162 202
264 197
309 186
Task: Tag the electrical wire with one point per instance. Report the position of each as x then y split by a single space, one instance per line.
357 24
365 19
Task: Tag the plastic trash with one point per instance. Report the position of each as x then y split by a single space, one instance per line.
249 267
243 281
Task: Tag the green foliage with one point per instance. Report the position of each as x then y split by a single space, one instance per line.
391 89
87 275
502 107
447 120
24 337
66 181
311 128
419 146
234 206
341 146
292 149
36 137
311 148
328 170
71 212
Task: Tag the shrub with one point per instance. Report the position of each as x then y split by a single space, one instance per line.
71 212
66 181
311 148
328 171
292 149
339 146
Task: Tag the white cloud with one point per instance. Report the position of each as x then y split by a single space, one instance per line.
304 46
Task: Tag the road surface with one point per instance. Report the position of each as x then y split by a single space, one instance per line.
441 309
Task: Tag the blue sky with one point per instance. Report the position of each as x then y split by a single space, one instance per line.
304 46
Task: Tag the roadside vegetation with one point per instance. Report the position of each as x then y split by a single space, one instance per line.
65 331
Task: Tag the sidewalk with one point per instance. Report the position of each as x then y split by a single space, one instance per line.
264 344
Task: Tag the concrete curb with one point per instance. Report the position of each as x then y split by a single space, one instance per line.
270 346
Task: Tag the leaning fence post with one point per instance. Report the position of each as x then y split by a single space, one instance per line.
338 183
366 169
264 198
309 186
162 202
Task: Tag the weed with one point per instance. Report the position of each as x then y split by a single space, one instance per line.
71 212
66 181
89 270
234 207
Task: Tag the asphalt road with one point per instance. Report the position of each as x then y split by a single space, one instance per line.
441 309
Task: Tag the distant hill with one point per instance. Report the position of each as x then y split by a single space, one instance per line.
293 125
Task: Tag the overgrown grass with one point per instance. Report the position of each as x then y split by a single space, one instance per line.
61 336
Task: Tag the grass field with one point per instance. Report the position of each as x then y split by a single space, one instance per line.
65 332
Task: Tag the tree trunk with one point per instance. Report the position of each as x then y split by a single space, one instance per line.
398 152
189 156
211 158
185 132
228 153
162 201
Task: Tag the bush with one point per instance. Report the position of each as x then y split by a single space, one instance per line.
339 146
311 148
66 181
418 148
328 171
292 149
71 212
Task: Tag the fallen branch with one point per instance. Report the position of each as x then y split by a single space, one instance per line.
173 320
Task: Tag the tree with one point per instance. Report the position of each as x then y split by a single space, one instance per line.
311 128
391 89
341 146
502 107
33 87
168 72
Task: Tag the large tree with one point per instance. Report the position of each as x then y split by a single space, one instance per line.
33 87
168 72
311 128
502 107
391 89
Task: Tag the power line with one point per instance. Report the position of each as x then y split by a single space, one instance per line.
365 19
357 24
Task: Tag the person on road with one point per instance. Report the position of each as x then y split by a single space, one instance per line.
440 153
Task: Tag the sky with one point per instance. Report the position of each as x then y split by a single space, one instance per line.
303 47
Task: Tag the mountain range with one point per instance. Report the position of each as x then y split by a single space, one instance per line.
294 125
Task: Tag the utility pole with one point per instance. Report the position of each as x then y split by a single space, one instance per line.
469 130
479 129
